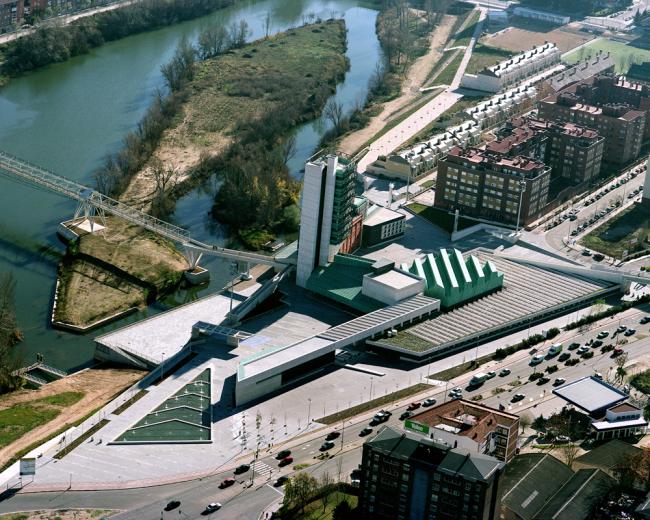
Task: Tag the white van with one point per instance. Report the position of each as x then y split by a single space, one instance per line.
478 379
556 348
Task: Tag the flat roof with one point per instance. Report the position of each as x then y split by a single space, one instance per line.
395 279
590 394
527 291
381 215
617 425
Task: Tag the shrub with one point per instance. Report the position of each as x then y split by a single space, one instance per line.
551 369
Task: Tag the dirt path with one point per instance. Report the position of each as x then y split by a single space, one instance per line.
415 78
99 386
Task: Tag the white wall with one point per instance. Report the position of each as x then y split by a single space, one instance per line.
309 222
379 291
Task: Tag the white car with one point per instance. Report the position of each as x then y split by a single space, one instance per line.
212 507
536 359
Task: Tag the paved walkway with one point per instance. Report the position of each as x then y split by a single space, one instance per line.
420 119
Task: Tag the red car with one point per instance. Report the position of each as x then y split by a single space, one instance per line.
618 351
227 483
414 406
285 461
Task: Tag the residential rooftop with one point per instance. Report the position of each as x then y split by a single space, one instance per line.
484 159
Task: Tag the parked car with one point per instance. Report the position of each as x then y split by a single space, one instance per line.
598 375
327 445
405 415
621 328
598 257
563 357
429 402
242 468
379 418
617 351
630 332
212 507
283 454
504 372
491 374
543 380
455 395
366 431
285 461
413 406
172 504
562 439
559 381
583 349
226 483
518 397
644 320
603 334
597 343
332 435
573 346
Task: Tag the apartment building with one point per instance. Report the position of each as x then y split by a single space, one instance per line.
573 152
13 12
513 70
404 476
615 108
488 185
471 426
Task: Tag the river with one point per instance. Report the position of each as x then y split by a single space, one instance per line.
68 116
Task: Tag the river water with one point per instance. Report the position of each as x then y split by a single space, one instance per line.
68 116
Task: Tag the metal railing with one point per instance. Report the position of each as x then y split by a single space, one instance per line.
18 169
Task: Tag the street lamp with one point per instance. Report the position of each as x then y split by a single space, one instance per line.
309 411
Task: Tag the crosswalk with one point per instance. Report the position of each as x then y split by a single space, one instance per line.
261 468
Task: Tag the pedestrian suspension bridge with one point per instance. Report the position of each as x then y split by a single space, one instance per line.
93 205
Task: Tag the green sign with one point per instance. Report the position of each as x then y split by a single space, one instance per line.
416 427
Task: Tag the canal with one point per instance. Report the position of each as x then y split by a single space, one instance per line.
68 116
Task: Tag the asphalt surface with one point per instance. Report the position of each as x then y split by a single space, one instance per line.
555 237
242 501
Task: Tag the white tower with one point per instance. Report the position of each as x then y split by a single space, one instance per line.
315 217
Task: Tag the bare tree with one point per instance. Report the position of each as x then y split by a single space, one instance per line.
334 113
239 33
326 482
569 452
267 24
9 335
288 148
525 420
212 42
165 179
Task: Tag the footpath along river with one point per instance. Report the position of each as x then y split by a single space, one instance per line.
68 116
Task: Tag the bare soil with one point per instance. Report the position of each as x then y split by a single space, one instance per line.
415 78
518 39
89 292
100 385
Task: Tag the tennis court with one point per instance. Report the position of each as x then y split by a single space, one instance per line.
184 417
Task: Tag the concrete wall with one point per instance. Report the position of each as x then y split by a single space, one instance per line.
390 295
328 206
249 390
309 222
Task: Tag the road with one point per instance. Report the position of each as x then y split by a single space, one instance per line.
240 501
554 237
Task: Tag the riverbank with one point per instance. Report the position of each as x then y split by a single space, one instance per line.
389 106
109 274
235 118
57 42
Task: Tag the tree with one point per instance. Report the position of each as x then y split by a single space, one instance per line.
620 373
9 335
165 179
181 67
342 511
569 452
525 420
238 33
325 489
212 42
299 490
267 24
288 148
334 113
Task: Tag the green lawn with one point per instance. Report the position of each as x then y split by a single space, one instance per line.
486 56
464 36
616 235
446 76
314 511
21 418
624 55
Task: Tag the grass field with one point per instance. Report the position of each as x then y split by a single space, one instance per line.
315 510
623 55
523 37
486 56
447 75
16 420
464 36
641 382
618 234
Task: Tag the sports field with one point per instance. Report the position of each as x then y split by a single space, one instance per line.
624 55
